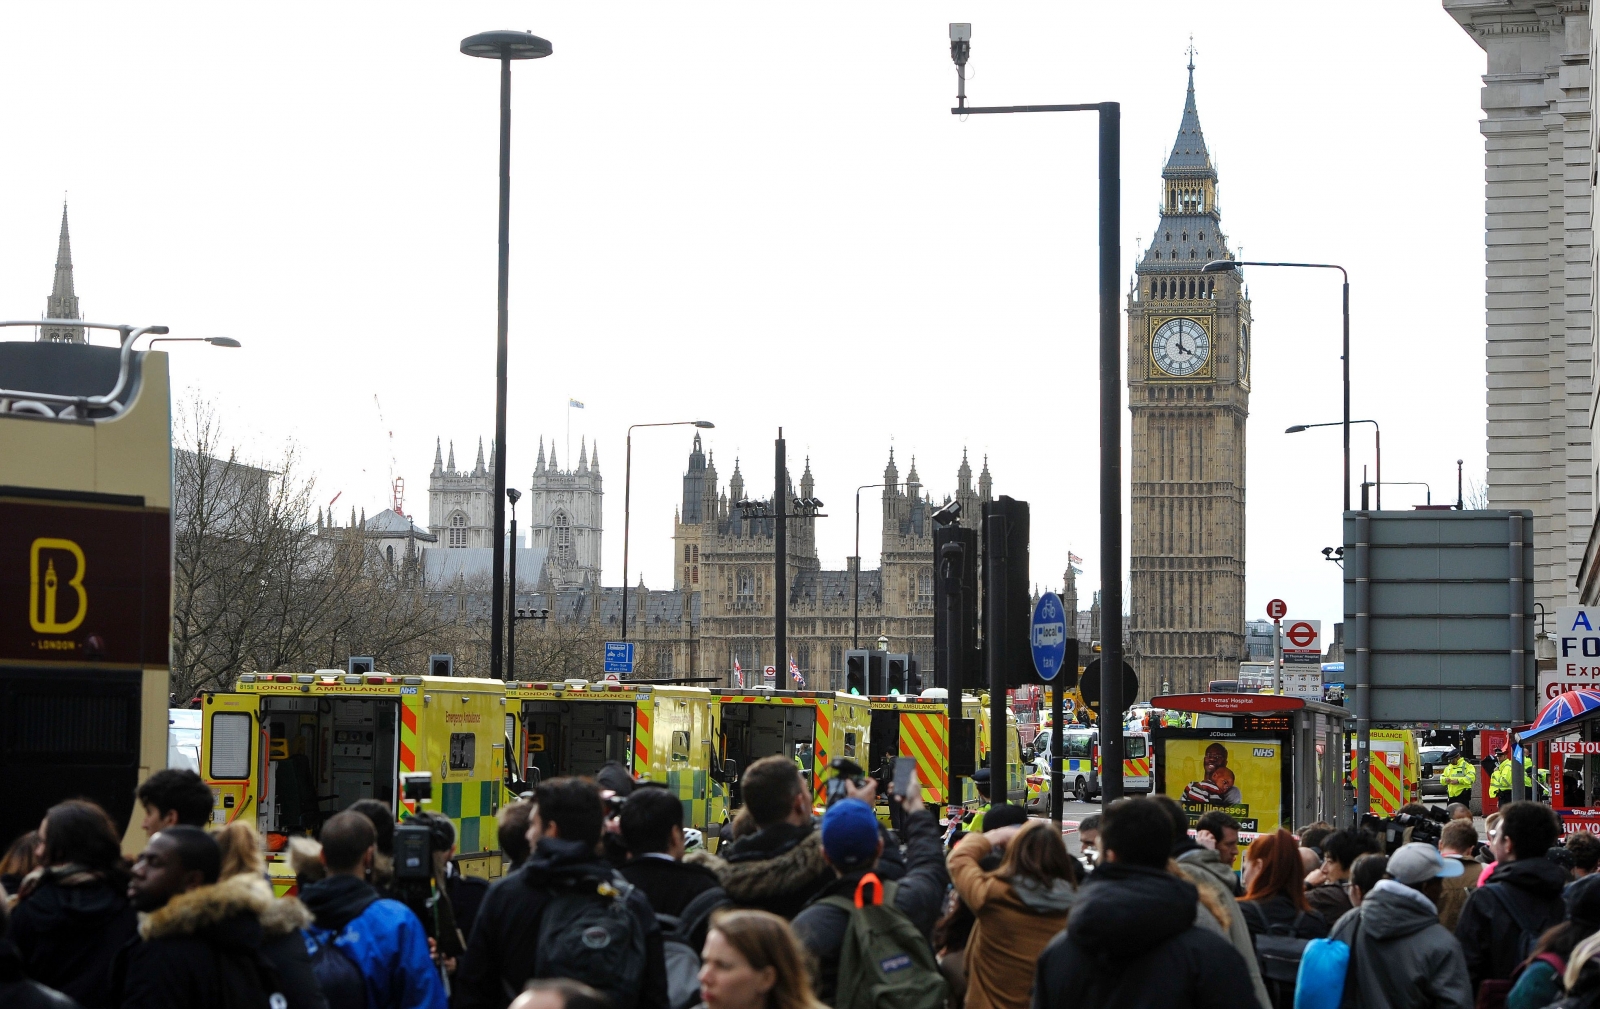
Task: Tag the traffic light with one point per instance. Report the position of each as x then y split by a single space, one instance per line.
914 678
855 671
441 665
899 674
966 663
359 664
1008 605
877 674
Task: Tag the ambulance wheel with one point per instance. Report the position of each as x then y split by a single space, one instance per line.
1080 790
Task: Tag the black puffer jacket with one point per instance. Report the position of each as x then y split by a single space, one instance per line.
503 948
17 992
1488 931
69 928
1131 943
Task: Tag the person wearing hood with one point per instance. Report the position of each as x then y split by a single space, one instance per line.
1132 941
384 940
283 919
503 952
1538 980
1524 891
779 867
201 939
1209 867
72 915
1400 956
1019 906
852 844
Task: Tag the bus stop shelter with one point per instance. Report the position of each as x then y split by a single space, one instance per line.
1268 760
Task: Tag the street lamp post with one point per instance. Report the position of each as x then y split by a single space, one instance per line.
627 494
1377 449
513 495
1110 113
504 46
855 606
1363 673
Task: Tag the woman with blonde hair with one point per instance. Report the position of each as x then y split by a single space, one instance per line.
752 960
1019 907
244 885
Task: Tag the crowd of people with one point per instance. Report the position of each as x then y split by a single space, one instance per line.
606 905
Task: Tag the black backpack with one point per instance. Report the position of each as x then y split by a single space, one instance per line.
1278 952
682 937
341 981
588 932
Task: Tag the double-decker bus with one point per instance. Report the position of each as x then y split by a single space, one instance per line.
85 571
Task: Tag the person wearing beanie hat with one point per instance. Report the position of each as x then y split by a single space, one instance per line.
1400 956
852 844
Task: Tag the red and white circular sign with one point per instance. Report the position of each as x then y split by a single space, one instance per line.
1301 634
1277 608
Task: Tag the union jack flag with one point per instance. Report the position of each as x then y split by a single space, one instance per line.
795 674
738 673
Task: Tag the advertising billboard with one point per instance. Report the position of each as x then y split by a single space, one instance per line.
1242 775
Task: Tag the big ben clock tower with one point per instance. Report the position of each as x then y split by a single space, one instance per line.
1188 390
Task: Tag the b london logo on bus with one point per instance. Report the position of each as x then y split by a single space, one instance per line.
84 582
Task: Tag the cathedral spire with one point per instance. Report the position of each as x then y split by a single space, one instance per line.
583 455
63 300
478 468
1189 153
891 474
451 466
985 481
438 459
594 459
964 475
538 467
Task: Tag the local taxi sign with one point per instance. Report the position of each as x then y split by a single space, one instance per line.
1047 635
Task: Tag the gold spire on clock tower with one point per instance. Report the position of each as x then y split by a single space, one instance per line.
1188 391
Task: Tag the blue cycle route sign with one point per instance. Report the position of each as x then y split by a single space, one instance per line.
619 657
1047 636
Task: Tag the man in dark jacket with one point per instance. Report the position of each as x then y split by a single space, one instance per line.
382 937
503 953
779 867
1400 956
652 828
1523 895
1132 939
851 844
202 941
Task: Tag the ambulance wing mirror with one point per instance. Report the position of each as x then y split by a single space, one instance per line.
730 770
533 777
417 786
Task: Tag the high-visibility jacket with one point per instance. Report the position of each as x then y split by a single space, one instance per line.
1500 779
1458 777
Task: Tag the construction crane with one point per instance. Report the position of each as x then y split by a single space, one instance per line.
397 484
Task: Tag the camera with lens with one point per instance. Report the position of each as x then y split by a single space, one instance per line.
1392 830
846 773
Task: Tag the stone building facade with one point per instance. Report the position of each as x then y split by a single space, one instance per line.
1189 395
1539 158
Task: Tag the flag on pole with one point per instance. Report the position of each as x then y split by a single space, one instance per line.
574 404
1073 560
794 673
738 673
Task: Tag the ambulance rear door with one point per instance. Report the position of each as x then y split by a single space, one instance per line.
233 756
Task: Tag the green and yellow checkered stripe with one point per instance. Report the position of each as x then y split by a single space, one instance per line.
472 806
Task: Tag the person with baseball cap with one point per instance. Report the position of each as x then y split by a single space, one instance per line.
851 844
1400 956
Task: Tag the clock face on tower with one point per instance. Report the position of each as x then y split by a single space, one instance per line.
1180 347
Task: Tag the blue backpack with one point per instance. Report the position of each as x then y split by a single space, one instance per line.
341 981
1323 965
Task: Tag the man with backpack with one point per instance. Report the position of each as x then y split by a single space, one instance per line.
1503 919
652 828
833 926
565 913
1400 956
370 951
1132 939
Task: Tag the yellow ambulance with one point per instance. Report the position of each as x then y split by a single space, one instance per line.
659 733
1395 769
811 727
289 750
918 728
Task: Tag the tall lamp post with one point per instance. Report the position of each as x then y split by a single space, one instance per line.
627 495
1111 699
1377 449
1363 674
504 46
855 607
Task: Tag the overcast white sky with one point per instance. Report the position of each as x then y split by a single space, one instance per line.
763 215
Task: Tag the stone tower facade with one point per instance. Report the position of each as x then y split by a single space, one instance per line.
1188 391
63 300
461 503
564 518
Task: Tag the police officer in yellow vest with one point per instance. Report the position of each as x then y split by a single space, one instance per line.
980 781
1458 777
1500 779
